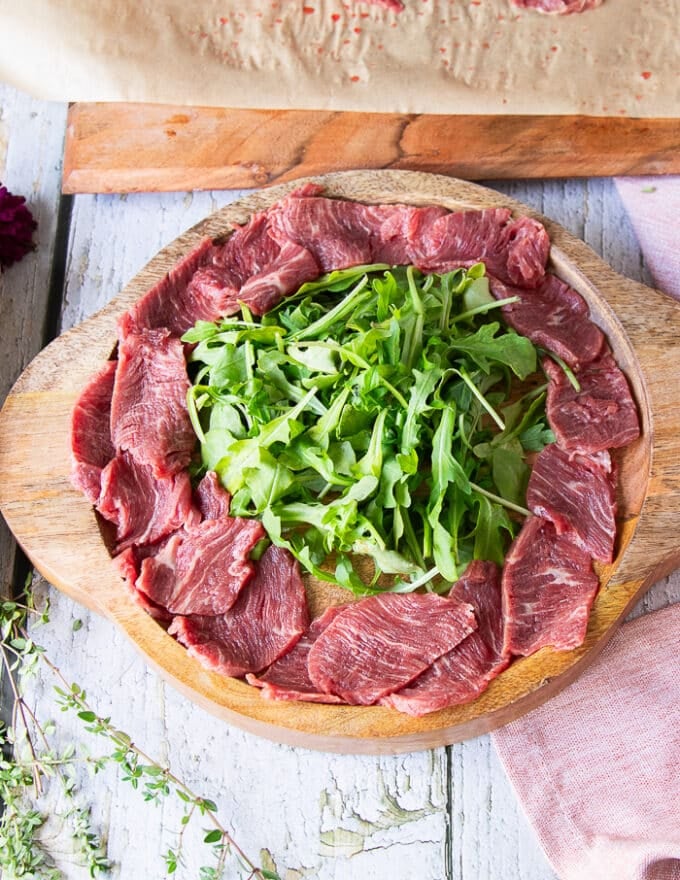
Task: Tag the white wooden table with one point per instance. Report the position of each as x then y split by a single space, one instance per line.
447 814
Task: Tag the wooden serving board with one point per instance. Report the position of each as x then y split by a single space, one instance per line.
153 148
57 527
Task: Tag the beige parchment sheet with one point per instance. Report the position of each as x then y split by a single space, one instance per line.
438 56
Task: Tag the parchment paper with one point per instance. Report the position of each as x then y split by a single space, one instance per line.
438 56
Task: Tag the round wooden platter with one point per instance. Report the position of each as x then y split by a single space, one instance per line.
58 530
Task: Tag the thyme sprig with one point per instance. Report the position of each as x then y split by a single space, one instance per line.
29 762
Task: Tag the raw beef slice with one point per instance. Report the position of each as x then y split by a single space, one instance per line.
128 564
516 251
554 316
557 7
143 507
288 677
464 673
174 303
149 416
380 644
578 495
334 230
212 499
268 618
285 274
548 588
91 444
601 415
254 268
202 569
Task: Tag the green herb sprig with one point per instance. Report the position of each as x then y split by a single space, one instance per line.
29 764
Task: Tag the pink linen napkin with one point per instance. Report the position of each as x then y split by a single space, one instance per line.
653 206
597 768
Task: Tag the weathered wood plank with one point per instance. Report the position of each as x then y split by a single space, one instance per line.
150 147
31 139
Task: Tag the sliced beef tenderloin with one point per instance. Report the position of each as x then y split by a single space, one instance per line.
398 231
249 250
254 268
285 274
128 564
202 569
515 251
548 588
578 495
600 415
557 7
175 302
335 231
464 673
143 507
555 317
212 499
91 445
265 622
288 677
380 644
149 416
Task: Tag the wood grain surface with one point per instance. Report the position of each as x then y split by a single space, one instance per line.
145 147
25 290
58 529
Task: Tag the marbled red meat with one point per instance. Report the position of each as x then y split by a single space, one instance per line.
203 568
557 7
601 415
143 507
283 275
548 588
464 673
253 268
268 618
578 495
341 233
174 302
212 499
149 416
288 677
555 317
128 563
380 644
394 5
515 251
91 445
337 232
399 230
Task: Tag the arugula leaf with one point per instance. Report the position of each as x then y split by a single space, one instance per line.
485 348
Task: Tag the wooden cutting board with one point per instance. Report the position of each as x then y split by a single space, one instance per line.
154 148
57 528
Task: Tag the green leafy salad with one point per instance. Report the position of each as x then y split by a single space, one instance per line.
378 413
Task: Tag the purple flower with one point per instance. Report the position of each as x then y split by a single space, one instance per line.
16 228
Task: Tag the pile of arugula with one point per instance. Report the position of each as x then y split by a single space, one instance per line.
373 414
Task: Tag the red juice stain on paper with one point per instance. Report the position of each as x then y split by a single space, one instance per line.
335 16
308 10
354 79
646 74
